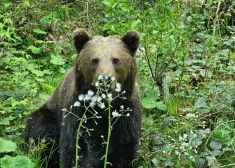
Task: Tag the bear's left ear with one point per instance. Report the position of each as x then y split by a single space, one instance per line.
80 38
132 40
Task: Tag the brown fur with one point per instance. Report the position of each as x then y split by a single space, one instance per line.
97 56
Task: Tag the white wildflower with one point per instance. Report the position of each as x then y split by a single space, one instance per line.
102 105
87 97
94 98
113 78
180 138
122 107
97 84
177 152
81 97
103 96
118 87
128 114
115 114
99 99
77 104
100 77
184 144
92 104
90 93
190 115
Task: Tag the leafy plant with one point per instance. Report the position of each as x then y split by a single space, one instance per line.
17 162
7 161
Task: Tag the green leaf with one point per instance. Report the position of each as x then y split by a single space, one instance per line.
227 149
7 146
155 161
199 162
200 102
205 73
34 49
37 72
16 162
216 152
55 15
149 101
211 159
48 88
167 121
7 3
233 104
26 2
161 106
167 1
56 59
5 121
38 31
168 163
216 145
135 23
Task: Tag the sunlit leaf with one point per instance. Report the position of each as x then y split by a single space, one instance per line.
34 49
37 72
149 101
155 161
7 146
4 121
56 59
38 31
16 162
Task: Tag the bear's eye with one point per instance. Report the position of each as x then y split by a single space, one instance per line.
95 61
115 61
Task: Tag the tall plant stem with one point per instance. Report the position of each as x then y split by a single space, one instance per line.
77 138
109 134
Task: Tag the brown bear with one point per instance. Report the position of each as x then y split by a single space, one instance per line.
97 56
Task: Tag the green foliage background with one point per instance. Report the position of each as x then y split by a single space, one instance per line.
186 73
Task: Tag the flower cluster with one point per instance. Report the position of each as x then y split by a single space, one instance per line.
188 143
102 98
191 116
91 97
102 95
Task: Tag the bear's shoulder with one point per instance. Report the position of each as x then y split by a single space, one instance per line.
65 92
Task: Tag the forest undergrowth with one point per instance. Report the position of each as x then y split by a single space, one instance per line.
186 73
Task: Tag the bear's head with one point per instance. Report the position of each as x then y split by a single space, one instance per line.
111 55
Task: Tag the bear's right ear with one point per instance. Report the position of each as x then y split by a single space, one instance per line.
80 38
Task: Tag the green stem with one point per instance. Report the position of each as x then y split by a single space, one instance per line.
77 138
109 134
